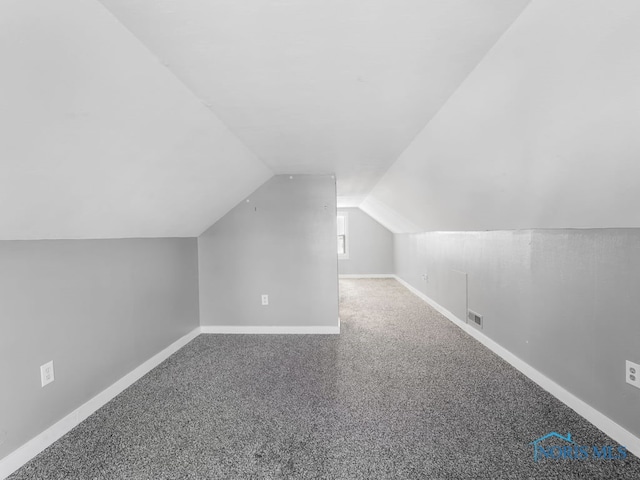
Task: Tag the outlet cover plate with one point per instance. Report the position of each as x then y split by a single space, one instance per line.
633 374
265 299
46 373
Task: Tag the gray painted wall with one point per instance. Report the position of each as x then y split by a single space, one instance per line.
564 301
281 242
370 245
97 308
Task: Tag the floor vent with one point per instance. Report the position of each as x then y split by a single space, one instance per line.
475 318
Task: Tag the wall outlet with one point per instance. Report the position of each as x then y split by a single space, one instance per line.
633 374
265 299
46 373
425 277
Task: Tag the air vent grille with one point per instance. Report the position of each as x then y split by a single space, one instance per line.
475 318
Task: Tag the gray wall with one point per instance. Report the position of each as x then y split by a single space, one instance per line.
97 308
282 242
564 301
370 245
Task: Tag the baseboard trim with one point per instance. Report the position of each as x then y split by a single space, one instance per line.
601 421
270 330
369 275
33 447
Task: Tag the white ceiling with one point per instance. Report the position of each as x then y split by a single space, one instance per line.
321 86
98 139
542 134
150 118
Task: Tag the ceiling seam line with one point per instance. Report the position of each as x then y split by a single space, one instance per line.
184 85
466 77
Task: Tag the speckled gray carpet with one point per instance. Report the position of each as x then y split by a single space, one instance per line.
402 393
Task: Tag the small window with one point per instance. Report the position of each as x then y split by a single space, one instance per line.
343 233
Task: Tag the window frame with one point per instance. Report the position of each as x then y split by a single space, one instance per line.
345 255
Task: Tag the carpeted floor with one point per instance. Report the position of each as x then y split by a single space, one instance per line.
402 393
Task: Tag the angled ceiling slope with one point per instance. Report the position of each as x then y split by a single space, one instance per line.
542 134
99 140
321 86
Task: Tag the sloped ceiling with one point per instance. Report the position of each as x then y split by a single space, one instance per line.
145 118
321 86
100 140
542 134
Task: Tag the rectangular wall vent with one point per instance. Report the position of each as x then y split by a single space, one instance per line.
475 318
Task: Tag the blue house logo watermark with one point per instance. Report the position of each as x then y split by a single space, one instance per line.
566 449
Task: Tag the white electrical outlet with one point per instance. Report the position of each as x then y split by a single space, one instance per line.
46 373
425 277
633 374
265 299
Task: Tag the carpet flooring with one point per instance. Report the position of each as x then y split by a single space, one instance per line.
401 394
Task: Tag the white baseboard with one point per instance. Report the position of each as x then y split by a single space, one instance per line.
369 275
265 330
33 447
601 421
